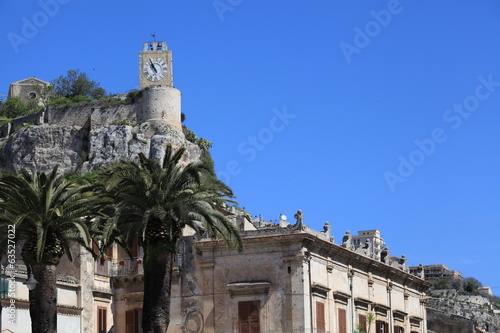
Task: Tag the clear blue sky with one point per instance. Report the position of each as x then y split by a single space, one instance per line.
367 114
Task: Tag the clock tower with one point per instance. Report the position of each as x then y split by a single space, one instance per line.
155 65
160 103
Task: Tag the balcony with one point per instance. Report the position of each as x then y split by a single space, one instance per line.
119 267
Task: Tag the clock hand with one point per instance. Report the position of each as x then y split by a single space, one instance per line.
153 66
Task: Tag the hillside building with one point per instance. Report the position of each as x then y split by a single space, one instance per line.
27 89
374 239
432 273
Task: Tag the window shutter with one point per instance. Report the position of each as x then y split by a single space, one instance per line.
342 321
249 317
135 248
95 247
131 321
102 320
109 251
320 316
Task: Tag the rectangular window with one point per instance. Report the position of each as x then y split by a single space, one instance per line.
398 329
95 246
381 326
136 253
4 287
102 320
249 317
109 252
135 248
320 317
362 322
131 321
342 317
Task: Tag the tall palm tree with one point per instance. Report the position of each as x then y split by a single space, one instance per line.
154 202
49 214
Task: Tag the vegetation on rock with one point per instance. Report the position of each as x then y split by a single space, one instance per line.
75 84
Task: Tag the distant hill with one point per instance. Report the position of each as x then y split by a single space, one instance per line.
453 308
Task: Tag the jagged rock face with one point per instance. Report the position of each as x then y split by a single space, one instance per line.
116 142
85 144
482 315
44 146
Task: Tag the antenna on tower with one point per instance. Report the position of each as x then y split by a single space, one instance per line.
154 36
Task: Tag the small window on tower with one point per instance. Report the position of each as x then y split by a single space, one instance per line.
31 95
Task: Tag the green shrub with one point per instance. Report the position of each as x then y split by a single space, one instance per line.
15 107
81 98
4 121
191 137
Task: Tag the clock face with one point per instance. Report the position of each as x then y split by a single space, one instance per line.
154 69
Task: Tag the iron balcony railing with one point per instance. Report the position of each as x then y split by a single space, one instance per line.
119 267
127 266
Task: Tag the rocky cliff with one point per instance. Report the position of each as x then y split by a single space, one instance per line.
454 314
86 135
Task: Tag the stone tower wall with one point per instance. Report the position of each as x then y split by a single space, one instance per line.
160 105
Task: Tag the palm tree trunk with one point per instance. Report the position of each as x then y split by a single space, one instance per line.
43 303
157 286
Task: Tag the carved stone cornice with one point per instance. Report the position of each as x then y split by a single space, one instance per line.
341 297
320 290
381 308
239 289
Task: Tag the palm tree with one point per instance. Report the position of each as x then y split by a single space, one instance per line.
154 202
370 318
49 214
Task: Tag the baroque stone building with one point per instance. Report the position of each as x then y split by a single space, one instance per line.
288 279
291 279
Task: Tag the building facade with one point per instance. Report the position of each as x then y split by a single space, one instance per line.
28 89
292 280
433 273
373 238
288 279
